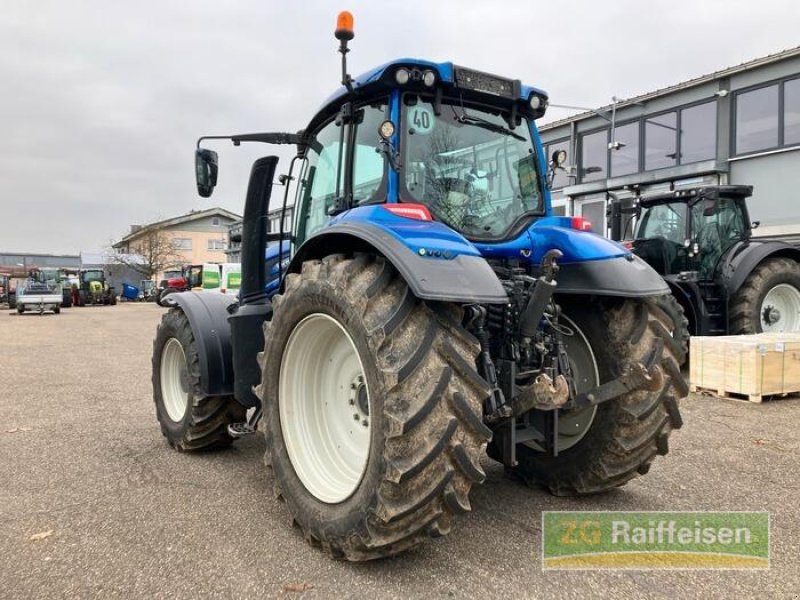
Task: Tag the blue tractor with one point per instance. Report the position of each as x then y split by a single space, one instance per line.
426 303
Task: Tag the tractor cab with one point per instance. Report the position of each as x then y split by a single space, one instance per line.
688 231
431 140
691 237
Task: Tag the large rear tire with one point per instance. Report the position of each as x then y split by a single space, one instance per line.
189 419
625 434
769 299
372 468
677 324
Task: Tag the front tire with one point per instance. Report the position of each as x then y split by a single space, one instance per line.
627 433
418 455
769 299
189 419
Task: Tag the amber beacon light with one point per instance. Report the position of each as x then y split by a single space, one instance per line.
344 26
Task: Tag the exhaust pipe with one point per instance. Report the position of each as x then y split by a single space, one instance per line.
254 231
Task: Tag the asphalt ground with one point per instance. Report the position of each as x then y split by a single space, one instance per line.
118 514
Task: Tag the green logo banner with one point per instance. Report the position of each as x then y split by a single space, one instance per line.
655 540
234 281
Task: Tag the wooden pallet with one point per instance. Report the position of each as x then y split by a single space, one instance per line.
696 389
746 366
757 398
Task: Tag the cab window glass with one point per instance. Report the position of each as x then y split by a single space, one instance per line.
367 163
322 179
716 226
664 221
195 277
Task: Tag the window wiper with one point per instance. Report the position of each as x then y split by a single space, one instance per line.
488 125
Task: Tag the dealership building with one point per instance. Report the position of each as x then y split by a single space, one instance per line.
740 125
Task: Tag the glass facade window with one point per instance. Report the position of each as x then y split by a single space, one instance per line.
595 212
594 156
661 141
625 160
757 120
698 133
561 178
791 112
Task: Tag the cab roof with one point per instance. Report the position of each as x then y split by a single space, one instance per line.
447 73
691 195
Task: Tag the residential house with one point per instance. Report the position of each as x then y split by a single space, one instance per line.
197 237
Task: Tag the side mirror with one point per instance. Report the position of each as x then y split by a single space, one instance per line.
755 224
205 170
710 207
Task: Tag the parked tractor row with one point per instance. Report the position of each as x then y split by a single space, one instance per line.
36 289
428 306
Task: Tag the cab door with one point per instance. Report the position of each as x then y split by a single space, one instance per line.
341 164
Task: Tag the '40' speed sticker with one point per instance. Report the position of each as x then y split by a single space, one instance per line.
420 119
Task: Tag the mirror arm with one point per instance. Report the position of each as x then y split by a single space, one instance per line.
297 139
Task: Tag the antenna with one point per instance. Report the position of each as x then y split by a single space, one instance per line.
344 33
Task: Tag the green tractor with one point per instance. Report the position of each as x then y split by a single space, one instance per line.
93 288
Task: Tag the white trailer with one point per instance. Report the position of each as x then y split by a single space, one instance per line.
39 297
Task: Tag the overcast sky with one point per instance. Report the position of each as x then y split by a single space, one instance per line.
101 102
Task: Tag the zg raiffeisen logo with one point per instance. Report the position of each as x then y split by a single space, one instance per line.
655 540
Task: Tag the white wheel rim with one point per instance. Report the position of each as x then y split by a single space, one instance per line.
174 375
780 310
573 425
324 408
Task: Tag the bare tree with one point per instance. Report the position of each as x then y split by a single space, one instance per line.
151 252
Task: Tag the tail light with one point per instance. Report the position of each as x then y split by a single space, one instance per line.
628 244
581 224
418 212
223 290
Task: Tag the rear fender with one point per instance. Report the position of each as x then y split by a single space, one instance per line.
626 277
740 261
208 317
436 262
